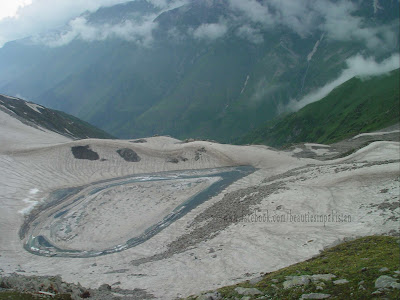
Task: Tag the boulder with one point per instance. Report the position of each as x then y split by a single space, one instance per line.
248 291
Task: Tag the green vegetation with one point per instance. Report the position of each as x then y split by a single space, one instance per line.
179 85
359 261
356 106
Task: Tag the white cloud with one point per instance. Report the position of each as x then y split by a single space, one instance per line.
251 34
336 18
10 8
254 10
42 15
356 66
210 31
139 32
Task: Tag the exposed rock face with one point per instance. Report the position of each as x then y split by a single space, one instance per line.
128 155
292 281
248 291
385 281
83 152
340 281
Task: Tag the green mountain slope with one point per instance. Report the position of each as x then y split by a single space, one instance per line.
356 106
181 84
57 121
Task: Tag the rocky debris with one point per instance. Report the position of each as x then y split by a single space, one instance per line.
199 152
385 281
255 280
53 285
128 155
105 287
139 141
292 281
386 206
340 281
210 296
176 160
315 296
383 269
248 291
324 277
84 152
345 147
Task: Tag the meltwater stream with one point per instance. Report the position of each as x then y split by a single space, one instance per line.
41 245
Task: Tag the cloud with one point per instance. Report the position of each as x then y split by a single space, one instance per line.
10 8
356 66
341 24
338 19
210 31
139 32
43 15
251 34
253 10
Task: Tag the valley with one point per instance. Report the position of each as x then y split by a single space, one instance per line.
199 149
222 234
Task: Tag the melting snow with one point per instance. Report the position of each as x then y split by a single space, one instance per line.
375 133
32 203
245 84
34 106
9 97
311 54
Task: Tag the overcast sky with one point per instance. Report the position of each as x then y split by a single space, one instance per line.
21 18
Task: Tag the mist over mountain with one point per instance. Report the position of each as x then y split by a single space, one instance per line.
208 68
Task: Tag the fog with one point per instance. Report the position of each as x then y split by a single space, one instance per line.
356 66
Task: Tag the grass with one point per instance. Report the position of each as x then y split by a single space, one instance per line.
354 107
358 260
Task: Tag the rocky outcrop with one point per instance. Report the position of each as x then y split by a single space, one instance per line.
84 152
128 155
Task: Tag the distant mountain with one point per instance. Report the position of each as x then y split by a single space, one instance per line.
356 106
204 69
56 121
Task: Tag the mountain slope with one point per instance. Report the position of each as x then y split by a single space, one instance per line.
40 117
356 106
205 69
377 256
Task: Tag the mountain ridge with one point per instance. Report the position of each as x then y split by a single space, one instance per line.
205 69
37 116
354 107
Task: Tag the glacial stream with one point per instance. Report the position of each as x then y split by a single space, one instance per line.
42 245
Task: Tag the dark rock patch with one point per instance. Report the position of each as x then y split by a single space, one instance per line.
173 160
83 152
128 155
139 141
199 152
176 160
